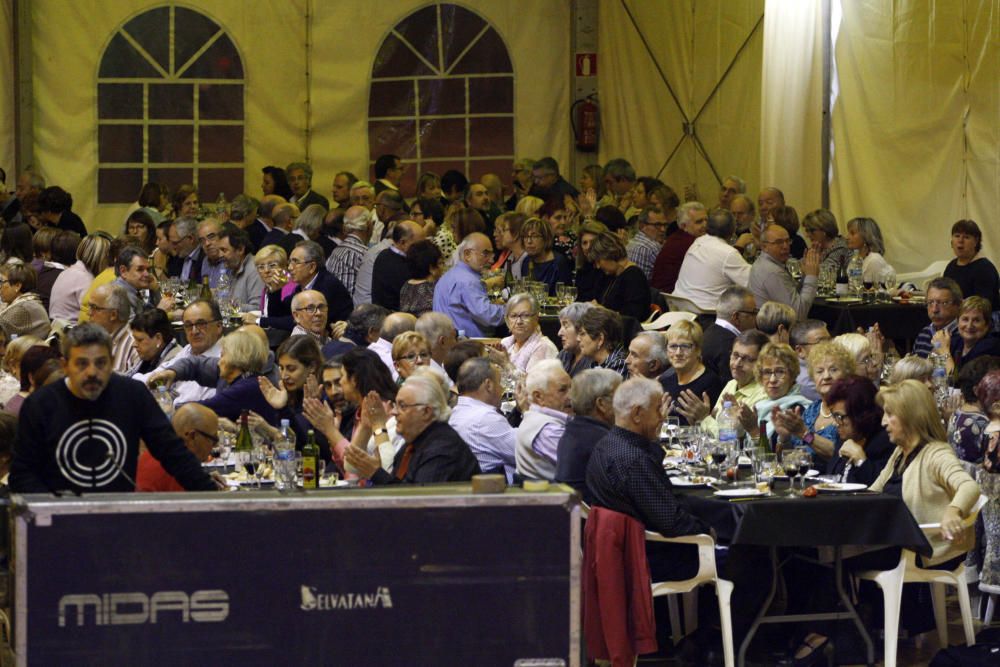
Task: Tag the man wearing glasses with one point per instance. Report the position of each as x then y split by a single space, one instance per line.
460 293
645 245
110 309
770 279
735 313
309 310
307 270
197 426
944 296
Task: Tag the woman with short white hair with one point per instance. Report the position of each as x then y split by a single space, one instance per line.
571 355
867 361
526 345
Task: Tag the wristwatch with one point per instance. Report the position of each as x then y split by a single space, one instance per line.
808 438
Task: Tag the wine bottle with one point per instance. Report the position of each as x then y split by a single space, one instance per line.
244 443
206 291
763 442
310 461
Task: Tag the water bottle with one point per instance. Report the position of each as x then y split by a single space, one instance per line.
855 276
284 458
165 401
939 376
729 424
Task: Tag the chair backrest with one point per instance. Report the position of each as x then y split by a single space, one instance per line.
667 320
919 278
933 530
683 304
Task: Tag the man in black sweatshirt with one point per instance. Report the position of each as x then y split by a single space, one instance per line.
82 434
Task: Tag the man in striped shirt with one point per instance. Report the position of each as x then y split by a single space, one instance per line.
646 244
944 296
346 257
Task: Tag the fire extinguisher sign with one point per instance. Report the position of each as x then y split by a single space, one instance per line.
586 64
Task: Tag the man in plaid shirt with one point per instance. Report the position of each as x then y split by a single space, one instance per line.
346 257
645 245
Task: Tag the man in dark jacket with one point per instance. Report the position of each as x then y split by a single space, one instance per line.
82 435
594 415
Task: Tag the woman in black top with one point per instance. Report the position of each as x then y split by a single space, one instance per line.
590 280
863 447
974 274
543 263
628 292
688 373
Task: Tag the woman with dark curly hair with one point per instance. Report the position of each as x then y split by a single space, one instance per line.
426 265
864 447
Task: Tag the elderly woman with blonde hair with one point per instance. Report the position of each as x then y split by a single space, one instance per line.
867 359
975 337
688 372
776 320
912 367
526 345
776 370
816 427
410 351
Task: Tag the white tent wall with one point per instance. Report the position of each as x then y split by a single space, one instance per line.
915 123
7 86
693 43
271 38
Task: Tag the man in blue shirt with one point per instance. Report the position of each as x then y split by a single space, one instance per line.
460 295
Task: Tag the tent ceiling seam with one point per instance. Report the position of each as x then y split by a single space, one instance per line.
652 57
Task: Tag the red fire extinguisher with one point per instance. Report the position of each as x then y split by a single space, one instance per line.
585 117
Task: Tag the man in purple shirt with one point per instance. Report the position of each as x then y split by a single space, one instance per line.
548 386
460 295
477 418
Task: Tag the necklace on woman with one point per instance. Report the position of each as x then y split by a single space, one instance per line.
825 415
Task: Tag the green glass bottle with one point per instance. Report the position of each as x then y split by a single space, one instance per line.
206 291
244 445
310 461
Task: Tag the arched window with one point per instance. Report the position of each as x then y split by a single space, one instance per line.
442 95
169 106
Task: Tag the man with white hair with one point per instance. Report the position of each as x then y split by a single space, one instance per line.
731 186
548 388
283 218
433 451
625 475
735 312
346 257
478 420
309 312
692 219
593 414
186 261
110 308
460 293
647 355
711 264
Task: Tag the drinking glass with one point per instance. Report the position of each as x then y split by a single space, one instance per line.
720 452
763 466
805 463
795 268
569 295
790 464
669 430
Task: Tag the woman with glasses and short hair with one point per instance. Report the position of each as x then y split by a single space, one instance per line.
867 361
526 345
543 264
410 351
864 447
271 263
688 372
776 370
24 314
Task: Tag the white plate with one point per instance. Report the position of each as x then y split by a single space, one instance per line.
685 480
325 483
739 493
812 473
840 487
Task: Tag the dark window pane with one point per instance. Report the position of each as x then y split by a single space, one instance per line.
119 143
396 59
171 177
118 186
395 137
488 55
441 166
491 95
171 101
220 143
491 136
442 96
460 27
119 100
171 143
442 138
420 30
152 31
121 60
191 31
390 98
221 102
479 167
220 61
213 181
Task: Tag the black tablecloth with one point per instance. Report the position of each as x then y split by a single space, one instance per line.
827 520
896 320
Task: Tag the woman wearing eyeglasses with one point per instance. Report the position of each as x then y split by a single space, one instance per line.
688 373
815 427
867 359
271 262
975 336
776 370
543 264
864 446
526 345
410 350
24 314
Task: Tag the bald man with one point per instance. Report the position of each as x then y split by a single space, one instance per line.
460 293
391 270
393 325
198 427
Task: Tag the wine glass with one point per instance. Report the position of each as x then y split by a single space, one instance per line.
795 268
719 454
790 464
805 464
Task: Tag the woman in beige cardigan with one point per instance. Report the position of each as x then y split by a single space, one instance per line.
924 469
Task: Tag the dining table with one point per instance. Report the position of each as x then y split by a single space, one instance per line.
778 521
898 320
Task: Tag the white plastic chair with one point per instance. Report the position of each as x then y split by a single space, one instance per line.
707 574
907 571
918 278
666 320
992 592
683 304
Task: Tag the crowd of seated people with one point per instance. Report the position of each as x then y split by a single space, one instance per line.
357 317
